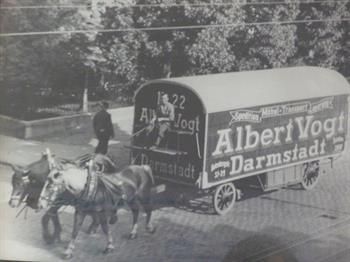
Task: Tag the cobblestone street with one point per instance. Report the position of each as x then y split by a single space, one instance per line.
177 131
289 223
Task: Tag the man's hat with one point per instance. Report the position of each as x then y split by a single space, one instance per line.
104 104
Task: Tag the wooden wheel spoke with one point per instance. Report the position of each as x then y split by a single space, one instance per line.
224 198
222 204
311 175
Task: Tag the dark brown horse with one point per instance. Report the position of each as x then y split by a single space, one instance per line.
28 182
102 195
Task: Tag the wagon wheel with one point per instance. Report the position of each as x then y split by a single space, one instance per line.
311 175
224 198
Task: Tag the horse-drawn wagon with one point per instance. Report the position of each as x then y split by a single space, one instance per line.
280 126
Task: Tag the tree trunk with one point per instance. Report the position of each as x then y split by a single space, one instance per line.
167 70
85 93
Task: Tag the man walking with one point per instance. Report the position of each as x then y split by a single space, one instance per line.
103 128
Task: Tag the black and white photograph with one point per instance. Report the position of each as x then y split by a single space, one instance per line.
175 130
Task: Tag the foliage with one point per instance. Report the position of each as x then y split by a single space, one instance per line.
34 66
40 70
324 44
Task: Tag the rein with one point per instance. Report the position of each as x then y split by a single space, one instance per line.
26 212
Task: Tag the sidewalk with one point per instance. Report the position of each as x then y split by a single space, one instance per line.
69 144
123 117
22 152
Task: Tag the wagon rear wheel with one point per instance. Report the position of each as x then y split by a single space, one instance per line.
311 175
224 198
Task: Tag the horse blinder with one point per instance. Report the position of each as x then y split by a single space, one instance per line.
20 182
50 190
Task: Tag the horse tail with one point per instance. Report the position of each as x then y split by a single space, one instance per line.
149 172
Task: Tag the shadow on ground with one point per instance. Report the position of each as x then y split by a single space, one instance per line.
176 239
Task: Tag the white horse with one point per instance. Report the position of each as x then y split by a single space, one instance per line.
101 194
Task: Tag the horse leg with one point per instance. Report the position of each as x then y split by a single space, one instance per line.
53 215
134 206
148 207
58 228
94 225
106 230
113 217
78 221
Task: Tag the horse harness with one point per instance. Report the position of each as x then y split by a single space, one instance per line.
90 189
25 180
89 192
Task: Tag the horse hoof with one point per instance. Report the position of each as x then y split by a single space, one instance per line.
108 250
151 230
92 232
132 236
67 256
49 240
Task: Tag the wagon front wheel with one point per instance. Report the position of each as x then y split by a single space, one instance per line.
224 198
311 175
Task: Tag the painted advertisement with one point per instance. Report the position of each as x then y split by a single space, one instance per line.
252 140
179 158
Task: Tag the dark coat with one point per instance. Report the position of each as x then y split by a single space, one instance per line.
102 123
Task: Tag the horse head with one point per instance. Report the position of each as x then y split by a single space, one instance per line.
72 179
54 185
37 177
27 182
19 183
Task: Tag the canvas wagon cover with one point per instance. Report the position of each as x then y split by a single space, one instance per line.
226 91
290 116
261 105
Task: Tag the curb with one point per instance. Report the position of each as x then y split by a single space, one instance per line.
4 163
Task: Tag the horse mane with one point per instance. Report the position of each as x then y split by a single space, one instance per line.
62 164
35 163
40 168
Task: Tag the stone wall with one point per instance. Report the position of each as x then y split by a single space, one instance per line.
36 128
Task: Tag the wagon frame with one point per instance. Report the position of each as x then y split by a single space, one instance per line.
284 128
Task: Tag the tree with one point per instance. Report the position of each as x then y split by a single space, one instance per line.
231 36
162 51
324 44
111 57
212 51
35 66
243 45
